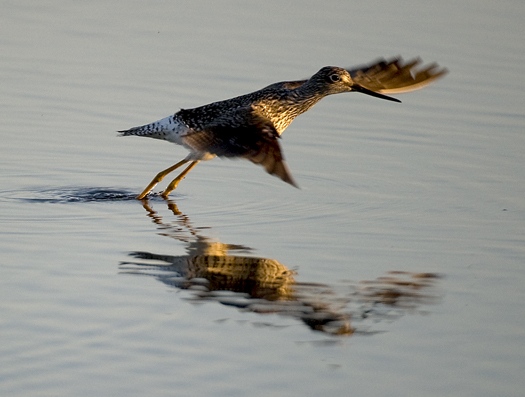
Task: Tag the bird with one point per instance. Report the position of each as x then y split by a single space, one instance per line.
249 126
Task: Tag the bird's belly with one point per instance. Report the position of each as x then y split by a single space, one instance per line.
199 156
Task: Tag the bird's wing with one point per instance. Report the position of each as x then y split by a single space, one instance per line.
243 134
395 76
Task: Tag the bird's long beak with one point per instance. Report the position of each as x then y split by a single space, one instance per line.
363 90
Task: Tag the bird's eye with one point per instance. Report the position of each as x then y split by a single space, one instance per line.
334 78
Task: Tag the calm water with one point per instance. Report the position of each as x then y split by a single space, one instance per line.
396 270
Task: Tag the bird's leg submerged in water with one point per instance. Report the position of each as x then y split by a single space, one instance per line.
171 187
161 176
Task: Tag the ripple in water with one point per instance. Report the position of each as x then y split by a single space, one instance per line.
72 195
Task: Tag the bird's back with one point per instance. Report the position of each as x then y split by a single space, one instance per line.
273 102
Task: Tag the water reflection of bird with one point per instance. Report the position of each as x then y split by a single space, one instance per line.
227 274
249 126
215 262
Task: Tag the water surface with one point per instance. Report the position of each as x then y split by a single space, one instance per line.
396 269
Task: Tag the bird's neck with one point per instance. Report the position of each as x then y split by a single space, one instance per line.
306 96
284 110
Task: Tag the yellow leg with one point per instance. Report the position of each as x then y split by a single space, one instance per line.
159 178
176 181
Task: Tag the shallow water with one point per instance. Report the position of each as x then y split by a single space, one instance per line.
396 268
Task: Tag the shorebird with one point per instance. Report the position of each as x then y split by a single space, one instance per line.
248 126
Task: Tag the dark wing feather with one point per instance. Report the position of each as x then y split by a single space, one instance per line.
243 134
396 76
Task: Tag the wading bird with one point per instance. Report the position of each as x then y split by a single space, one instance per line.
249 126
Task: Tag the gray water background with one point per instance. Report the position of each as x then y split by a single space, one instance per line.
433 185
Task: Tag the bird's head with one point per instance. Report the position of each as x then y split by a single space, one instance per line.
333 80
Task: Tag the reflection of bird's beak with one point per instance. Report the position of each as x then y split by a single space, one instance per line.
363 90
